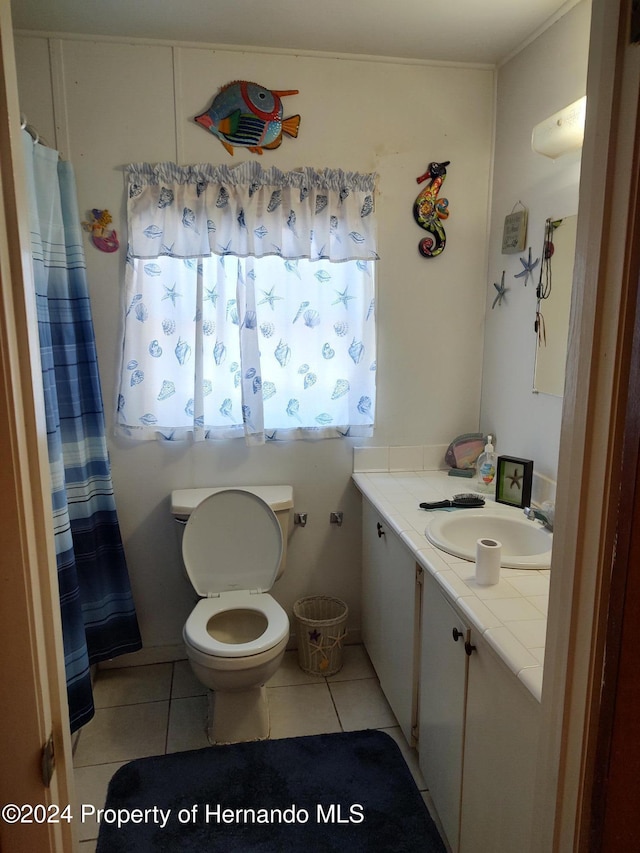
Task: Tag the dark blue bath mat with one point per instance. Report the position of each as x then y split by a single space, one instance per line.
336 793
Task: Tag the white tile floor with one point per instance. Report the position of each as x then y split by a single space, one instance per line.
162 708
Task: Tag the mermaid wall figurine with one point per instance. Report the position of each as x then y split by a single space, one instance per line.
104 239
429 210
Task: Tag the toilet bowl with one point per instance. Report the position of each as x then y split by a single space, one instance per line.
236 635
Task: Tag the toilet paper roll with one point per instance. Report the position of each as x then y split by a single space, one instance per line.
488 552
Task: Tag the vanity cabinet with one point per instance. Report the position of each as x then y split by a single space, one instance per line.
388 614
500 755
443 683
478 734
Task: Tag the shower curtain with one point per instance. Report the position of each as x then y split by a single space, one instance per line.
98 614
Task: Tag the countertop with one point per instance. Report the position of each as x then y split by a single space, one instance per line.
512 614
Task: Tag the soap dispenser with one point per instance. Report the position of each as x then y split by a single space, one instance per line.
486 468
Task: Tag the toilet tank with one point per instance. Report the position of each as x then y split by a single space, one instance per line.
279 498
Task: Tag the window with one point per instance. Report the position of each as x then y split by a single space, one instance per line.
250 305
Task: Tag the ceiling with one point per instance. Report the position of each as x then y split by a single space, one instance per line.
477 31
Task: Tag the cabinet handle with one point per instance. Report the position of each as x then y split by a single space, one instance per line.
381 532
469 648
456 635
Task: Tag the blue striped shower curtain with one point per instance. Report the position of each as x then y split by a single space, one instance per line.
98 614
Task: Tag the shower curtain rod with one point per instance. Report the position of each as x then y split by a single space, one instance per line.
35 135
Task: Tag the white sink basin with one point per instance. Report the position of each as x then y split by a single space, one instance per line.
525 544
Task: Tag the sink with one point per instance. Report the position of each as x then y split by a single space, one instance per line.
525 544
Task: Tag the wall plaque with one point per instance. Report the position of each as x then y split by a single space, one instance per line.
515 232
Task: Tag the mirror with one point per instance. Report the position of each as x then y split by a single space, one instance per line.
553 303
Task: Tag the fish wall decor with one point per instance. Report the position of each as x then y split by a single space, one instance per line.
248 115
429 210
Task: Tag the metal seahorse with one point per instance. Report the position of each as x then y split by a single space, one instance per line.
429 210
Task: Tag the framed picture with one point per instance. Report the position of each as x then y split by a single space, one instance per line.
513 481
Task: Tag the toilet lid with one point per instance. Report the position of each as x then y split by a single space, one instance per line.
232 541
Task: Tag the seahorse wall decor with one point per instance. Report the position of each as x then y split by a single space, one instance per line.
429 210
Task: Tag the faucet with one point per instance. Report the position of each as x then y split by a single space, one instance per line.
545 514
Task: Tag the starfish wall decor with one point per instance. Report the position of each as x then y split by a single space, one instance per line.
529 267
501 292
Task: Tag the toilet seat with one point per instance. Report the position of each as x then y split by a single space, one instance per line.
195 630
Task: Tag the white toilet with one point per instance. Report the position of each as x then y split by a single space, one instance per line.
234 549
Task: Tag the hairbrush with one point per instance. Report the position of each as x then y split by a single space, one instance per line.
469 501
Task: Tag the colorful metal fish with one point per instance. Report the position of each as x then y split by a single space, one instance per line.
428 210
247 115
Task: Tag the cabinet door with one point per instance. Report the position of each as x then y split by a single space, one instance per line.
388 605
443 669
500 756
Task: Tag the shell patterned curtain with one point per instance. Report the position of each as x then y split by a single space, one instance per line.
250 303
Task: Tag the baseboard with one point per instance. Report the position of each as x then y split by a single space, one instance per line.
169 654
147 655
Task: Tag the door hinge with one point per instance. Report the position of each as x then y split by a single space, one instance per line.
48 761
419 574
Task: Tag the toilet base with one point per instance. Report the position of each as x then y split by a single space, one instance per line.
238 715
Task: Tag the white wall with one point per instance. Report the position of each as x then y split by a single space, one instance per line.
540 80
106 103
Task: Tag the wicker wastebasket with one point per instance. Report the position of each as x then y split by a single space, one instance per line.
321 622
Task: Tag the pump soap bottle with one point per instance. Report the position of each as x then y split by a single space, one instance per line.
486 468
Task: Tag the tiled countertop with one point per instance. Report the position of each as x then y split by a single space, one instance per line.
512 614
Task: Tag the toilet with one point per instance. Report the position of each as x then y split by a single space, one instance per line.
234 549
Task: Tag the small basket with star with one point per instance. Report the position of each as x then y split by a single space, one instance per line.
321 621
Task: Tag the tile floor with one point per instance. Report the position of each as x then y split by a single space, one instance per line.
162 708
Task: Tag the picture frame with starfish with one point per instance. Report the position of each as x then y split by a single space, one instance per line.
514 478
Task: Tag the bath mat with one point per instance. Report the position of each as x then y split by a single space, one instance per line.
349 792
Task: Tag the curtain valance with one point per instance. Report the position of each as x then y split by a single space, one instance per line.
203 210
